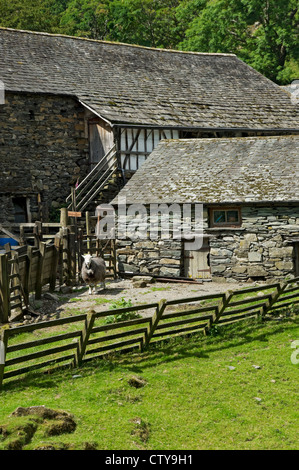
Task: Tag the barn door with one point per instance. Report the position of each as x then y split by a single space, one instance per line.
197 263
100 142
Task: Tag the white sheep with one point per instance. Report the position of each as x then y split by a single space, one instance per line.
93 271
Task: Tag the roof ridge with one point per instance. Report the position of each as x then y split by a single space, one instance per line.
79 38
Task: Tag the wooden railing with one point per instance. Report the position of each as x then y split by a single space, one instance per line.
91 185
83 337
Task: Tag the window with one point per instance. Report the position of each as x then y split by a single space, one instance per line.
225 217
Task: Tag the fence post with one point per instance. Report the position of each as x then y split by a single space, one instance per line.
55 261
65 256
38 234
89 322
72 254
80 249
63 217
274 297
4 289
26 278
3 349
40 271
154 323
222 305
87 222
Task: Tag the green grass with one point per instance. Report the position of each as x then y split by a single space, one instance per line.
199 393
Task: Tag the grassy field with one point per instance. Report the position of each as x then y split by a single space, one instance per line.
234 389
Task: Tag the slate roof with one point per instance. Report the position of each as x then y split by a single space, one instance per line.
145 86
226 170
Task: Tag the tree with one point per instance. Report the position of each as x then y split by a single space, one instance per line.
264 33
86 18
33 15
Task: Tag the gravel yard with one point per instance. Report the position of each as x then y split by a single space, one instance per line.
71 301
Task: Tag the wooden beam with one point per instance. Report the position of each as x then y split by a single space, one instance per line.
10 234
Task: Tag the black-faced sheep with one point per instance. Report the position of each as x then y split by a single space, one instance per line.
93 271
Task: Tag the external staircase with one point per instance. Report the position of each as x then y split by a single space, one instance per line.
87 191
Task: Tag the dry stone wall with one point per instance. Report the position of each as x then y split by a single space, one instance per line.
43 149
263 248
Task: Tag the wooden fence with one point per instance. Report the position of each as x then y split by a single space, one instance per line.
27 269
79 338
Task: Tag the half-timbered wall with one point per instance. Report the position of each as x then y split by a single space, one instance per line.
137 144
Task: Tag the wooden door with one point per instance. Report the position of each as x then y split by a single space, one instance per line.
197 263
296 252
100 140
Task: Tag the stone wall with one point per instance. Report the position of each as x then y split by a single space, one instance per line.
162 257
261 249
43 150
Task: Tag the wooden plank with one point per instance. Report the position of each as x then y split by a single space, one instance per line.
114 346
40 365
287 297
178 323
186 300
114 326
236 318
222 306
278 306
117 311
38 354
155 321
254 289
89 322
123 334
180 331
45 324
25 280
9 233
4 290
39 342
244 309
39 274
3 350
249 299
189 312
292 289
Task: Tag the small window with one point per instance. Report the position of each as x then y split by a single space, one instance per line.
225 217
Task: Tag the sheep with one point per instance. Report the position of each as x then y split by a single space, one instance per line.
93 271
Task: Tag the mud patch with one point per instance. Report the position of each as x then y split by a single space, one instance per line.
24 422
137 382
141 430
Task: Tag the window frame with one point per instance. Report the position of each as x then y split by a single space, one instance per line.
225 224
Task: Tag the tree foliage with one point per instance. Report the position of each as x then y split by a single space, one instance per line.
263 33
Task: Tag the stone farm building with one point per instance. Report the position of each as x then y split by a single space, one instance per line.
249 189
69 101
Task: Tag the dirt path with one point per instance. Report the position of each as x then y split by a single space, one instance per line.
77 300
